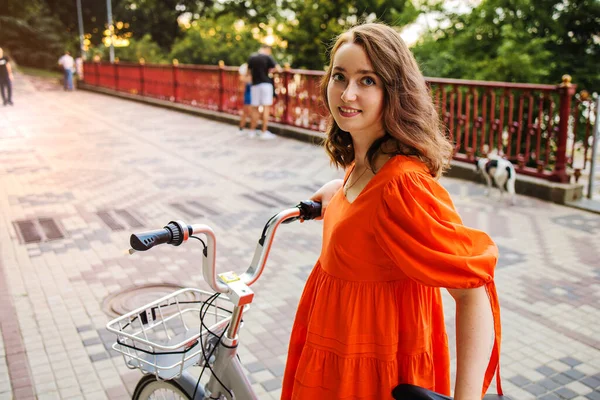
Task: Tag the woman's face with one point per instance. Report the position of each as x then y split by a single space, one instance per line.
355 93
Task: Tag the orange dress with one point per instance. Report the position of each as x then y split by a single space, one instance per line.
371 316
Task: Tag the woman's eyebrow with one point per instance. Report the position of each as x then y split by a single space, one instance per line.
360 71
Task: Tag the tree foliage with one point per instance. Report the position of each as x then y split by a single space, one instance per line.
144 48
317 22
208 41
159 18
30 34
534 41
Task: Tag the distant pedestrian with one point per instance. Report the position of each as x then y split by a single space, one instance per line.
262 89
245 87
68 65
79 67
6 77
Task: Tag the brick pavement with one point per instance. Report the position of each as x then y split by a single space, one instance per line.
93 169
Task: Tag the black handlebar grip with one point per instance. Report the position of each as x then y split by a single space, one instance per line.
309 209
146 240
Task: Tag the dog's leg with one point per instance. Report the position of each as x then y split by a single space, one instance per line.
510 186
500 181
489 184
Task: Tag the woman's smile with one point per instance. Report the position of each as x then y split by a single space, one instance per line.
348 112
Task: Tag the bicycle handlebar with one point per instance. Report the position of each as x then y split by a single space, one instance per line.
177 232
172 234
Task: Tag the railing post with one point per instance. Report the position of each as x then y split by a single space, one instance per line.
175 83
96 71
116 67
566 91
221 85
286 80
141 66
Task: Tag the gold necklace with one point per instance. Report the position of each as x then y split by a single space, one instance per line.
347 187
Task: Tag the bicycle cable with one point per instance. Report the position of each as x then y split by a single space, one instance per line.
262 236
208 303
197 238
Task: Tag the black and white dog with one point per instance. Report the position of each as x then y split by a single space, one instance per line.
500 171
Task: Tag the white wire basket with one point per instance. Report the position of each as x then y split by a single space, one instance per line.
167 336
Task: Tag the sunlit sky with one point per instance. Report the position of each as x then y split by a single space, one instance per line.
412 32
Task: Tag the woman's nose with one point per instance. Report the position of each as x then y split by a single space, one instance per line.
349 94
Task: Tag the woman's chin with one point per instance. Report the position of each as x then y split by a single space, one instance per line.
343 125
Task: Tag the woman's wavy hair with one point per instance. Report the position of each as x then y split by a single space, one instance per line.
410 120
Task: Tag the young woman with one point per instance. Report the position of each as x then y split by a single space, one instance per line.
371 315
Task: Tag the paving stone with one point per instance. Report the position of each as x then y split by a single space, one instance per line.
535 389
549 384
593 396
573 373
550 396
254 367
565 393
545 370
563 379
591 382
520 381
570 361
271 384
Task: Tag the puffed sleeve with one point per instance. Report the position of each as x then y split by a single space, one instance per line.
418 227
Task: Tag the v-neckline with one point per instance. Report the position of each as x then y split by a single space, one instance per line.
368 183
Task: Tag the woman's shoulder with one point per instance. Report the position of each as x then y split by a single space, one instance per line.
401 165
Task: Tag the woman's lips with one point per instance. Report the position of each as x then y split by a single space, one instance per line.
348 112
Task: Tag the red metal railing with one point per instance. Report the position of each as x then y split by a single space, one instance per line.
523 122
535 126
582 135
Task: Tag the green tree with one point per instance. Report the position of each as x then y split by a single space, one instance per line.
534 41
144 48
208 41
160 18
93 12
31 34
315 23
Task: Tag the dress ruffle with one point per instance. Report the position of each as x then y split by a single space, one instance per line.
356 352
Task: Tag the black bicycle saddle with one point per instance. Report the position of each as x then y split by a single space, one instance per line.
406 391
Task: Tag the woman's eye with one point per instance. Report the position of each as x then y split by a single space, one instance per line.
368 81
337 77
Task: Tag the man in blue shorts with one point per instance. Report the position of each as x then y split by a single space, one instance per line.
262 90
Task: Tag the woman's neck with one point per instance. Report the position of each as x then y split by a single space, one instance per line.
361 148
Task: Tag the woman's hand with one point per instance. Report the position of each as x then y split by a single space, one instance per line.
325 193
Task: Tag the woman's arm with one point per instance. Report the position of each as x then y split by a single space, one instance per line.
474 339
9 70
325 193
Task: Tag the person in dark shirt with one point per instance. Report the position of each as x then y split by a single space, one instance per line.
261 91
6 77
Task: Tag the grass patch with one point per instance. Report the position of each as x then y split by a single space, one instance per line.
43 73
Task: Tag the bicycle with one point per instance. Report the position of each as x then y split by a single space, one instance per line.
167 336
